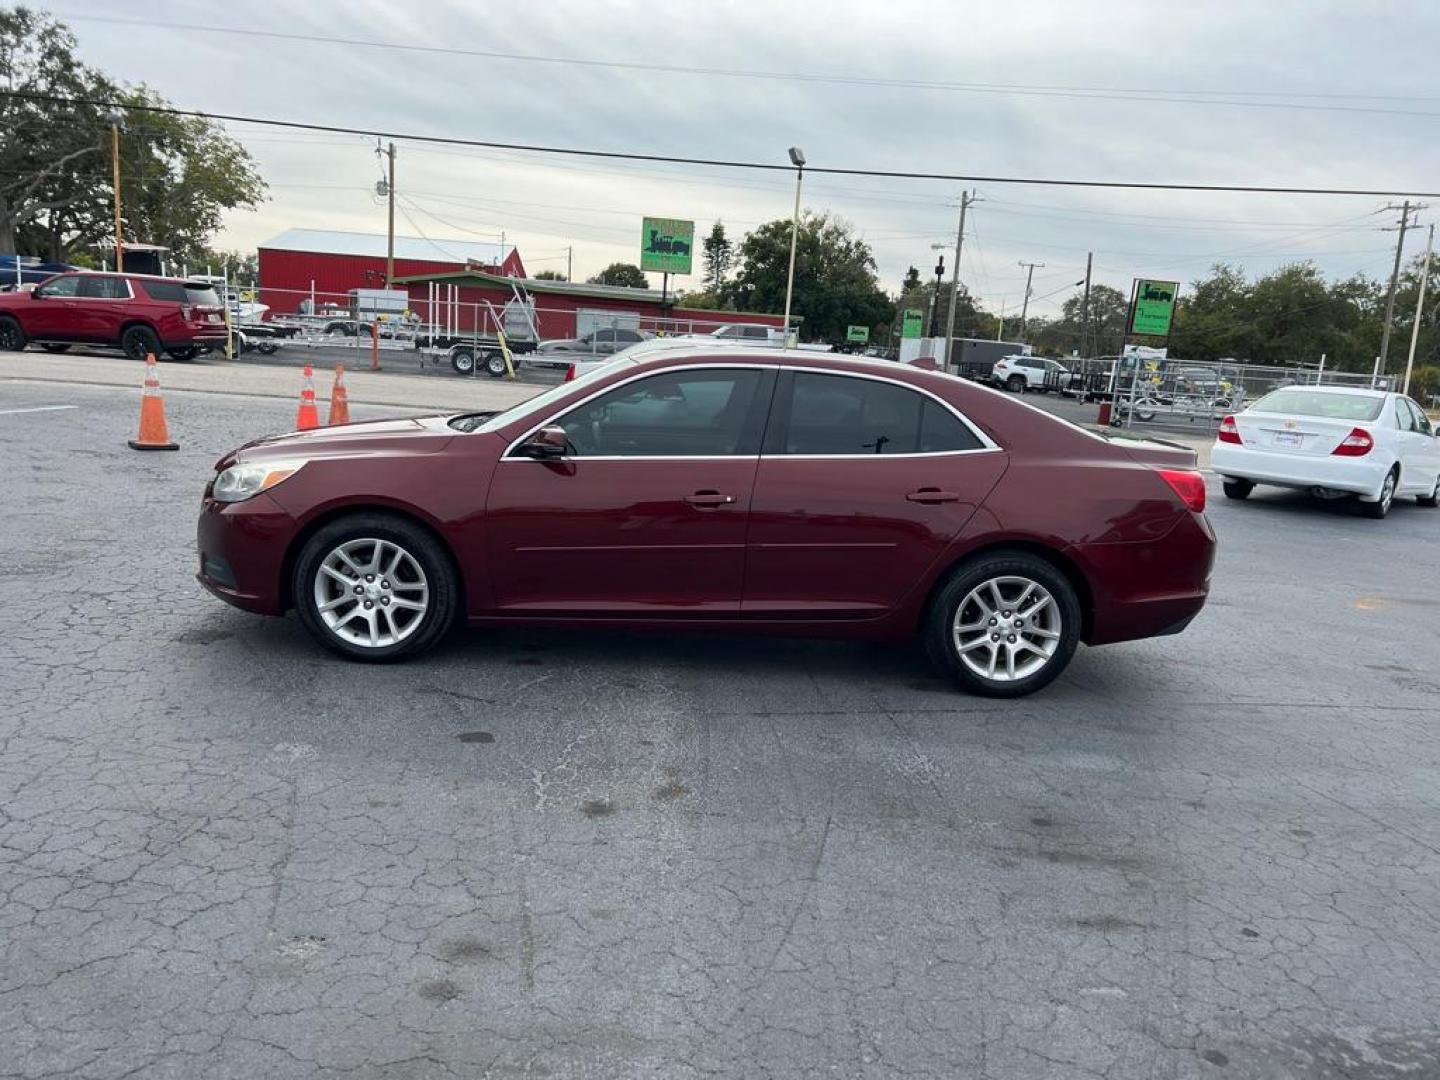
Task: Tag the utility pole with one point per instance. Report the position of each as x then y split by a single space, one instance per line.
115 171
1394 280
1419 310
390 192
1025 307
570 263
965 201
935 296
1085 304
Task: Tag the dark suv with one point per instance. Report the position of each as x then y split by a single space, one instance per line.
134 312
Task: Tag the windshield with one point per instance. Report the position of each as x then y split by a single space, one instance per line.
1296 402
540 401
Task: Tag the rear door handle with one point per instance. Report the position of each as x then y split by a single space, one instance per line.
932 495
709 499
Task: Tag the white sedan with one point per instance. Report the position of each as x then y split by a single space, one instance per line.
1334 441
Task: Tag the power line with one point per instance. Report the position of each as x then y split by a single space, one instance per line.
1276 99
570 151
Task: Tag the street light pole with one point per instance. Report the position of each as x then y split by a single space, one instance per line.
797 158
1419 310
115 176
390 238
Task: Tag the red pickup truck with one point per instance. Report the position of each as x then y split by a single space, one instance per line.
137 313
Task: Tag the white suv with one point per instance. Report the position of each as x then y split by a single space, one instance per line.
1020 373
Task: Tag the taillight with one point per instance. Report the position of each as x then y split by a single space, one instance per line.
570 374
1187 484
1228 431
1357 444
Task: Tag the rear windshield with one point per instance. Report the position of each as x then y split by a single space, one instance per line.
190 292
1297 402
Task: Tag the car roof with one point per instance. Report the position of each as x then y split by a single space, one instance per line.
128 274
1364 391
839 362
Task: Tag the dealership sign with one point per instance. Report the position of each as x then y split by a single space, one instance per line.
913 323
859 334
666 245
1154 307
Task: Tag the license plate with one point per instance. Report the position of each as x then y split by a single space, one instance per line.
212 318
1289 438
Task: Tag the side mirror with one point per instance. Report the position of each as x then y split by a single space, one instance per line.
547 444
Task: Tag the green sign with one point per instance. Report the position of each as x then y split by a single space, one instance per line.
914 322
857 333
666 245
1154 307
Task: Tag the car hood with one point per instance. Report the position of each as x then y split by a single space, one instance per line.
411 435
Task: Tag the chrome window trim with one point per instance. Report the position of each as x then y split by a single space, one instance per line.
987 444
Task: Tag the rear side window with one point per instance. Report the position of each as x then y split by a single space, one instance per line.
1294 401
842 415
104 288
164 290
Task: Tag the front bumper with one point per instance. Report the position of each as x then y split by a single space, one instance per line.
242 550
1362 475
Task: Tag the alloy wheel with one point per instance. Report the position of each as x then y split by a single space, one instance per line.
371 593
1007 628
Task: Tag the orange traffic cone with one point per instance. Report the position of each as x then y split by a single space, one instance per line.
339 400
308 416
154 434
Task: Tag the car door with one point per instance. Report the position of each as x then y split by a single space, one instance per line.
52 315
646 513
1420 453
863 482
101 304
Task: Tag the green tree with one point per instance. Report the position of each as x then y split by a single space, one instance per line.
550 275
621 273
835 283
179 175
719 253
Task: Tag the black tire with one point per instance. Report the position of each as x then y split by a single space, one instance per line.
138 342
1015 384
495 365
463 361
54 346
443 597
1381 507
1238 489
12 338
267 348
188 352
941 617
1433 499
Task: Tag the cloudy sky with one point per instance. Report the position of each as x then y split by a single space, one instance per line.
1300 92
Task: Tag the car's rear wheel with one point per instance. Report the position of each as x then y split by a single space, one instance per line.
375 587
187 352
55 346
1238 489
138 342
1004 624
12 338
495 365
1433 499
1381 506
1015 384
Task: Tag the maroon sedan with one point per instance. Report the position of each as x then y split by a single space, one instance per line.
765 492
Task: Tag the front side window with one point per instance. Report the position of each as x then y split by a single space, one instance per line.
840 414
1422 422
60 286
670 414
603 335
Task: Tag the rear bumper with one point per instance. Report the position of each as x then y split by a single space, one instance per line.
242 550
1155 588
1362 475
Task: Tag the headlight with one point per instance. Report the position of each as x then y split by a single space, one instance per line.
241 482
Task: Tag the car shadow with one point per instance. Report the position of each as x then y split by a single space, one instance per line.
1283 500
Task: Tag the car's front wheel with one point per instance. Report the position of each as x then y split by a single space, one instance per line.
375 587
1238 489
12 338
1003 624
138 342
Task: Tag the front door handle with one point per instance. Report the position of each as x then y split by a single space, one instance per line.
932 495
706 499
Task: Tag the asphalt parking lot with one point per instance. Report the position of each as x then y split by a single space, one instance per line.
224 854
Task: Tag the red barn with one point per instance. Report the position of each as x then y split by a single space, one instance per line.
327 265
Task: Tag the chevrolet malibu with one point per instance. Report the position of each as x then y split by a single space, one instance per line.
754 491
